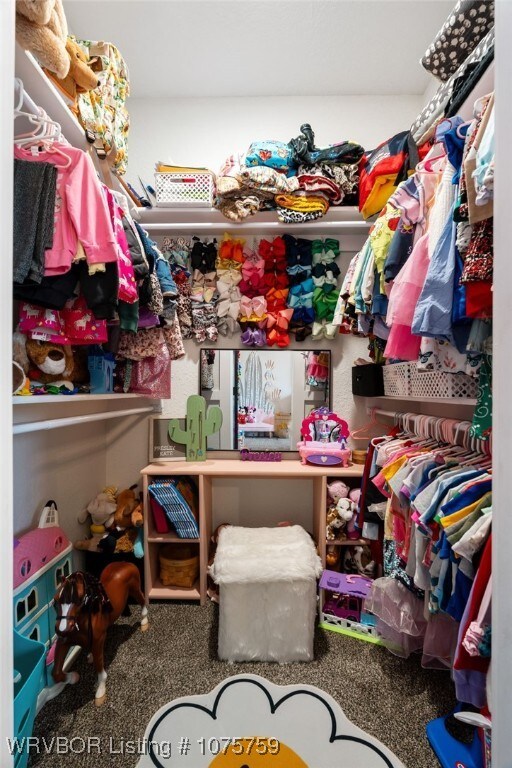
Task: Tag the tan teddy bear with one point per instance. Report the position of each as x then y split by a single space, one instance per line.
41 28
80 78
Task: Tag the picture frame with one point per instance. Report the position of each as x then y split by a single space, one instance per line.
161 448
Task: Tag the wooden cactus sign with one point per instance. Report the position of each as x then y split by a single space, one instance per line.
200 424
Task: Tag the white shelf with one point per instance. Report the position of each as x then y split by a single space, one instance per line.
18 400
467 401
338 220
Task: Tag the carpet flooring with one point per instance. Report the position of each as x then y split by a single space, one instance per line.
390 698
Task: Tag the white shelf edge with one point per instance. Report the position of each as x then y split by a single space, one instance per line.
50 399
468 401
161 219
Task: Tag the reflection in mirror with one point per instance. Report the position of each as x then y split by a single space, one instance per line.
264 395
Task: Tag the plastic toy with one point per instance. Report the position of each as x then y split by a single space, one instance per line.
200 424
342 607
41 558
29 657
449 750
324 439
85 608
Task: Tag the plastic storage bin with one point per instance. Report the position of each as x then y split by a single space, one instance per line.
184 190
29 659
397 379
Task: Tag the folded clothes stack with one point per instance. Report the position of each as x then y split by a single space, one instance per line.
297 179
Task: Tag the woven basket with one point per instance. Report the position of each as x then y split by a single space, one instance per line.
179 567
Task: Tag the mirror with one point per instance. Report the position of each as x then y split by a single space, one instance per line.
264 395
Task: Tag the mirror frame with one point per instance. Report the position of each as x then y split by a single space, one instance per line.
231 451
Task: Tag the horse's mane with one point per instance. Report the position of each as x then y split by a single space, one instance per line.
95 598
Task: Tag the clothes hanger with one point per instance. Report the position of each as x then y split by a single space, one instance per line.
358 434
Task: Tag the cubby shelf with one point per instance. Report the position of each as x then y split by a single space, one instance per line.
159 591
206 472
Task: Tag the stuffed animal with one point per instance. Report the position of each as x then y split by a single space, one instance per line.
359 560
81 77
127 519
336 491
101 512
337 518
41 28
50 363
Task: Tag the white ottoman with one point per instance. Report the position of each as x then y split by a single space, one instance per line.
267 579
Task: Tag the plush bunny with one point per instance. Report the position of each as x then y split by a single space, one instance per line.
41 28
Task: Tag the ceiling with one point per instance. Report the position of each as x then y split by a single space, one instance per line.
219 48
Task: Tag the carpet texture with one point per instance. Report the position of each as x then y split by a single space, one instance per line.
390 698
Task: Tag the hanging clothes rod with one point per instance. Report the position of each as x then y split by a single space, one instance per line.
38 426
444 430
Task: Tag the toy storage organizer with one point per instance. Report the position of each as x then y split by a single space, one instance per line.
205 474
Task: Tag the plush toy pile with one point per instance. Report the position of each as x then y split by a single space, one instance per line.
116 522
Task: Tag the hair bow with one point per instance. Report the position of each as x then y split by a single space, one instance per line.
251 268
231 250
228 276
324 304
274 254
298 252
277 328
229 301
276 299
301 300
326 275
275 280
323 329
253 337
253 309
203 288
324 252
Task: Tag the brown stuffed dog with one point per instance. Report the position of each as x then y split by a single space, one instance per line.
80 77
50 363
127 518
41 28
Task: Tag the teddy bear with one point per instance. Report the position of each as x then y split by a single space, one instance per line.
128 517
80 78
101 512
50 363
41 28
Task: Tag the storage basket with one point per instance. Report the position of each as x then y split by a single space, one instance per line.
29 658
184 190
441 384
179 567
397 379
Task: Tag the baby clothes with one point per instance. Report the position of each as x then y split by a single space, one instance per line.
81 212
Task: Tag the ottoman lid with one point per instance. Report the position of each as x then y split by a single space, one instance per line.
258 555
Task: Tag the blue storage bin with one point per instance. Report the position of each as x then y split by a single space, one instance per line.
101 371
29 659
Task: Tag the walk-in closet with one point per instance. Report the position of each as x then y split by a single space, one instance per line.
255 383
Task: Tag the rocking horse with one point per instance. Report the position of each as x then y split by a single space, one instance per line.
85 608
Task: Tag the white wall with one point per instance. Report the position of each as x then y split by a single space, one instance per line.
205 131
